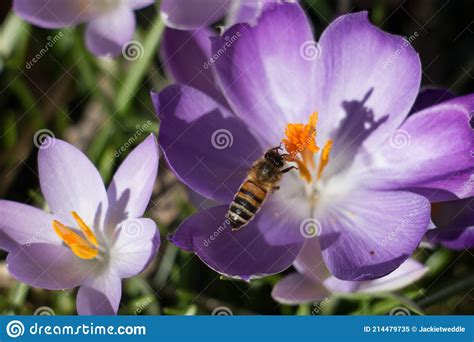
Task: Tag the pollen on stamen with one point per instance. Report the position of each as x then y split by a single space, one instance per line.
300 143
301 137
84 248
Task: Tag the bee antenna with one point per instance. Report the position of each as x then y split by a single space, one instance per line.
278 147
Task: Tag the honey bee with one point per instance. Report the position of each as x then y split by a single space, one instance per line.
262 179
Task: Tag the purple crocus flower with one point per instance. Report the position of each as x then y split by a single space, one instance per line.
367 172
313 281
453 220
188 32
110 23
194 14
93 237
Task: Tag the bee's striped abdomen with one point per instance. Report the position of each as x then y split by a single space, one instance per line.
246 204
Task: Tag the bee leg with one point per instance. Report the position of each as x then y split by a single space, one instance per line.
289 169
275 188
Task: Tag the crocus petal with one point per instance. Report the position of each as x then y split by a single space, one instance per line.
244 11
132 185
310 261
6 242
100 295
107 34
137 4
135 246
293 212
70 182
295 288
192 14
428 155
247 11
53 13
268 81
371 233
457 238
430 97
48 266
408 272
207 147
26 225
365 79
244 253
186 58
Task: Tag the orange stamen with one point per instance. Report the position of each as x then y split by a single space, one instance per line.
300 143
85 229
324 159
83 248
304 172
301 137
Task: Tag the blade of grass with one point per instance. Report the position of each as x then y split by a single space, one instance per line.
18 294
13 29
139 68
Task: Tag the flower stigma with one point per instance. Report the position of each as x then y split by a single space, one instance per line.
84 248
300 143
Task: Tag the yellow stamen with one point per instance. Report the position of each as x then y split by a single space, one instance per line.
85 229
83 248
324 159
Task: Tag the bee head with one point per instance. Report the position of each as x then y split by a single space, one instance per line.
275 157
